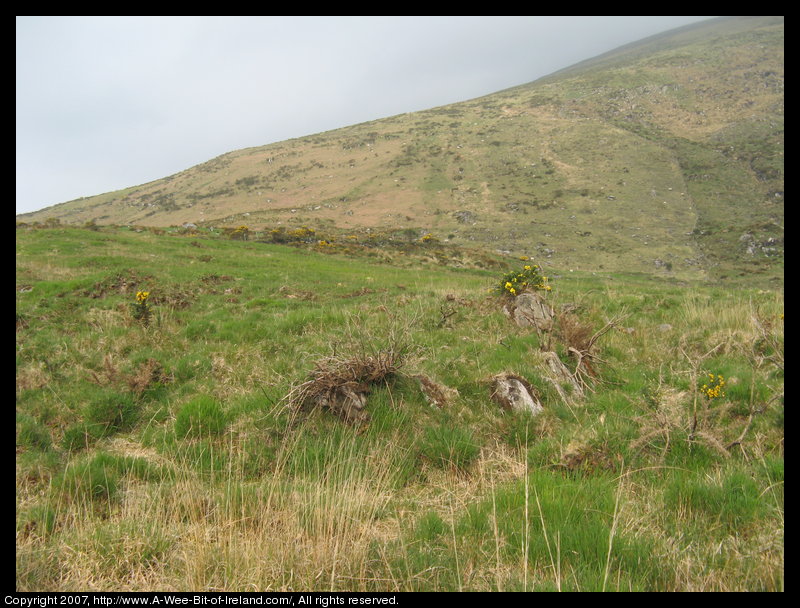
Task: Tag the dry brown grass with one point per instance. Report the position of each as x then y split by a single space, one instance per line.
145 375
435 393
341 385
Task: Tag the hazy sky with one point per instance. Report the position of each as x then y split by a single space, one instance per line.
105 103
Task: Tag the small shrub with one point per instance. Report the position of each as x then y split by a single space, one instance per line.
713 388
304 234
341 385
278 235
240 233
141 309
519 281
201 417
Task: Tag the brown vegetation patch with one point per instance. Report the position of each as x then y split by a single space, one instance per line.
296 294
22 322
436 394
173 297
119 283
359 292
215 279
589 459
342 385
573 332
580 341
147 374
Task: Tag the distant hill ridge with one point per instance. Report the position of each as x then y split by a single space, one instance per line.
663 156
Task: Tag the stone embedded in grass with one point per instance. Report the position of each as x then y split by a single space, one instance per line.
529 310
347 401
561 377
514 393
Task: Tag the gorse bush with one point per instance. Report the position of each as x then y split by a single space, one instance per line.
713 388
141 308
519 281
240 233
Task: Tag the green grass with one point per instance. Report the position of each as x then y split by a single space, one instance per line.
200 417
163 455
665 157
449 447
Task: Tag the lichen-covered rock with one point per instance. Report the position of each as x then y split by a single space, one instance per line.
529 310
559 375
514 393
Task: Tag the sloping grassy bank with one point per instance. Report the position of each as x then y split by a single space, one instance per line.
156 450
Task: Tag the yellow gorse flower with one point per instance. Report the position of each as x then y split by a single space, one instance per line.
713 388
141 296
516 282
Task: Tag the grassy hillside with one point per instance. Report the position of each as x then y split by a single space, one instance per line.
664 157
158 446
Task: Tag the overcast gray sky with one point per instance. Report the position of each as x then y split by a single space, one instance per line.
105 103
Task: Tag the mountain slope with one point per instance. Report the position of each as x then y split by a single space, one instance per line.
664 155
